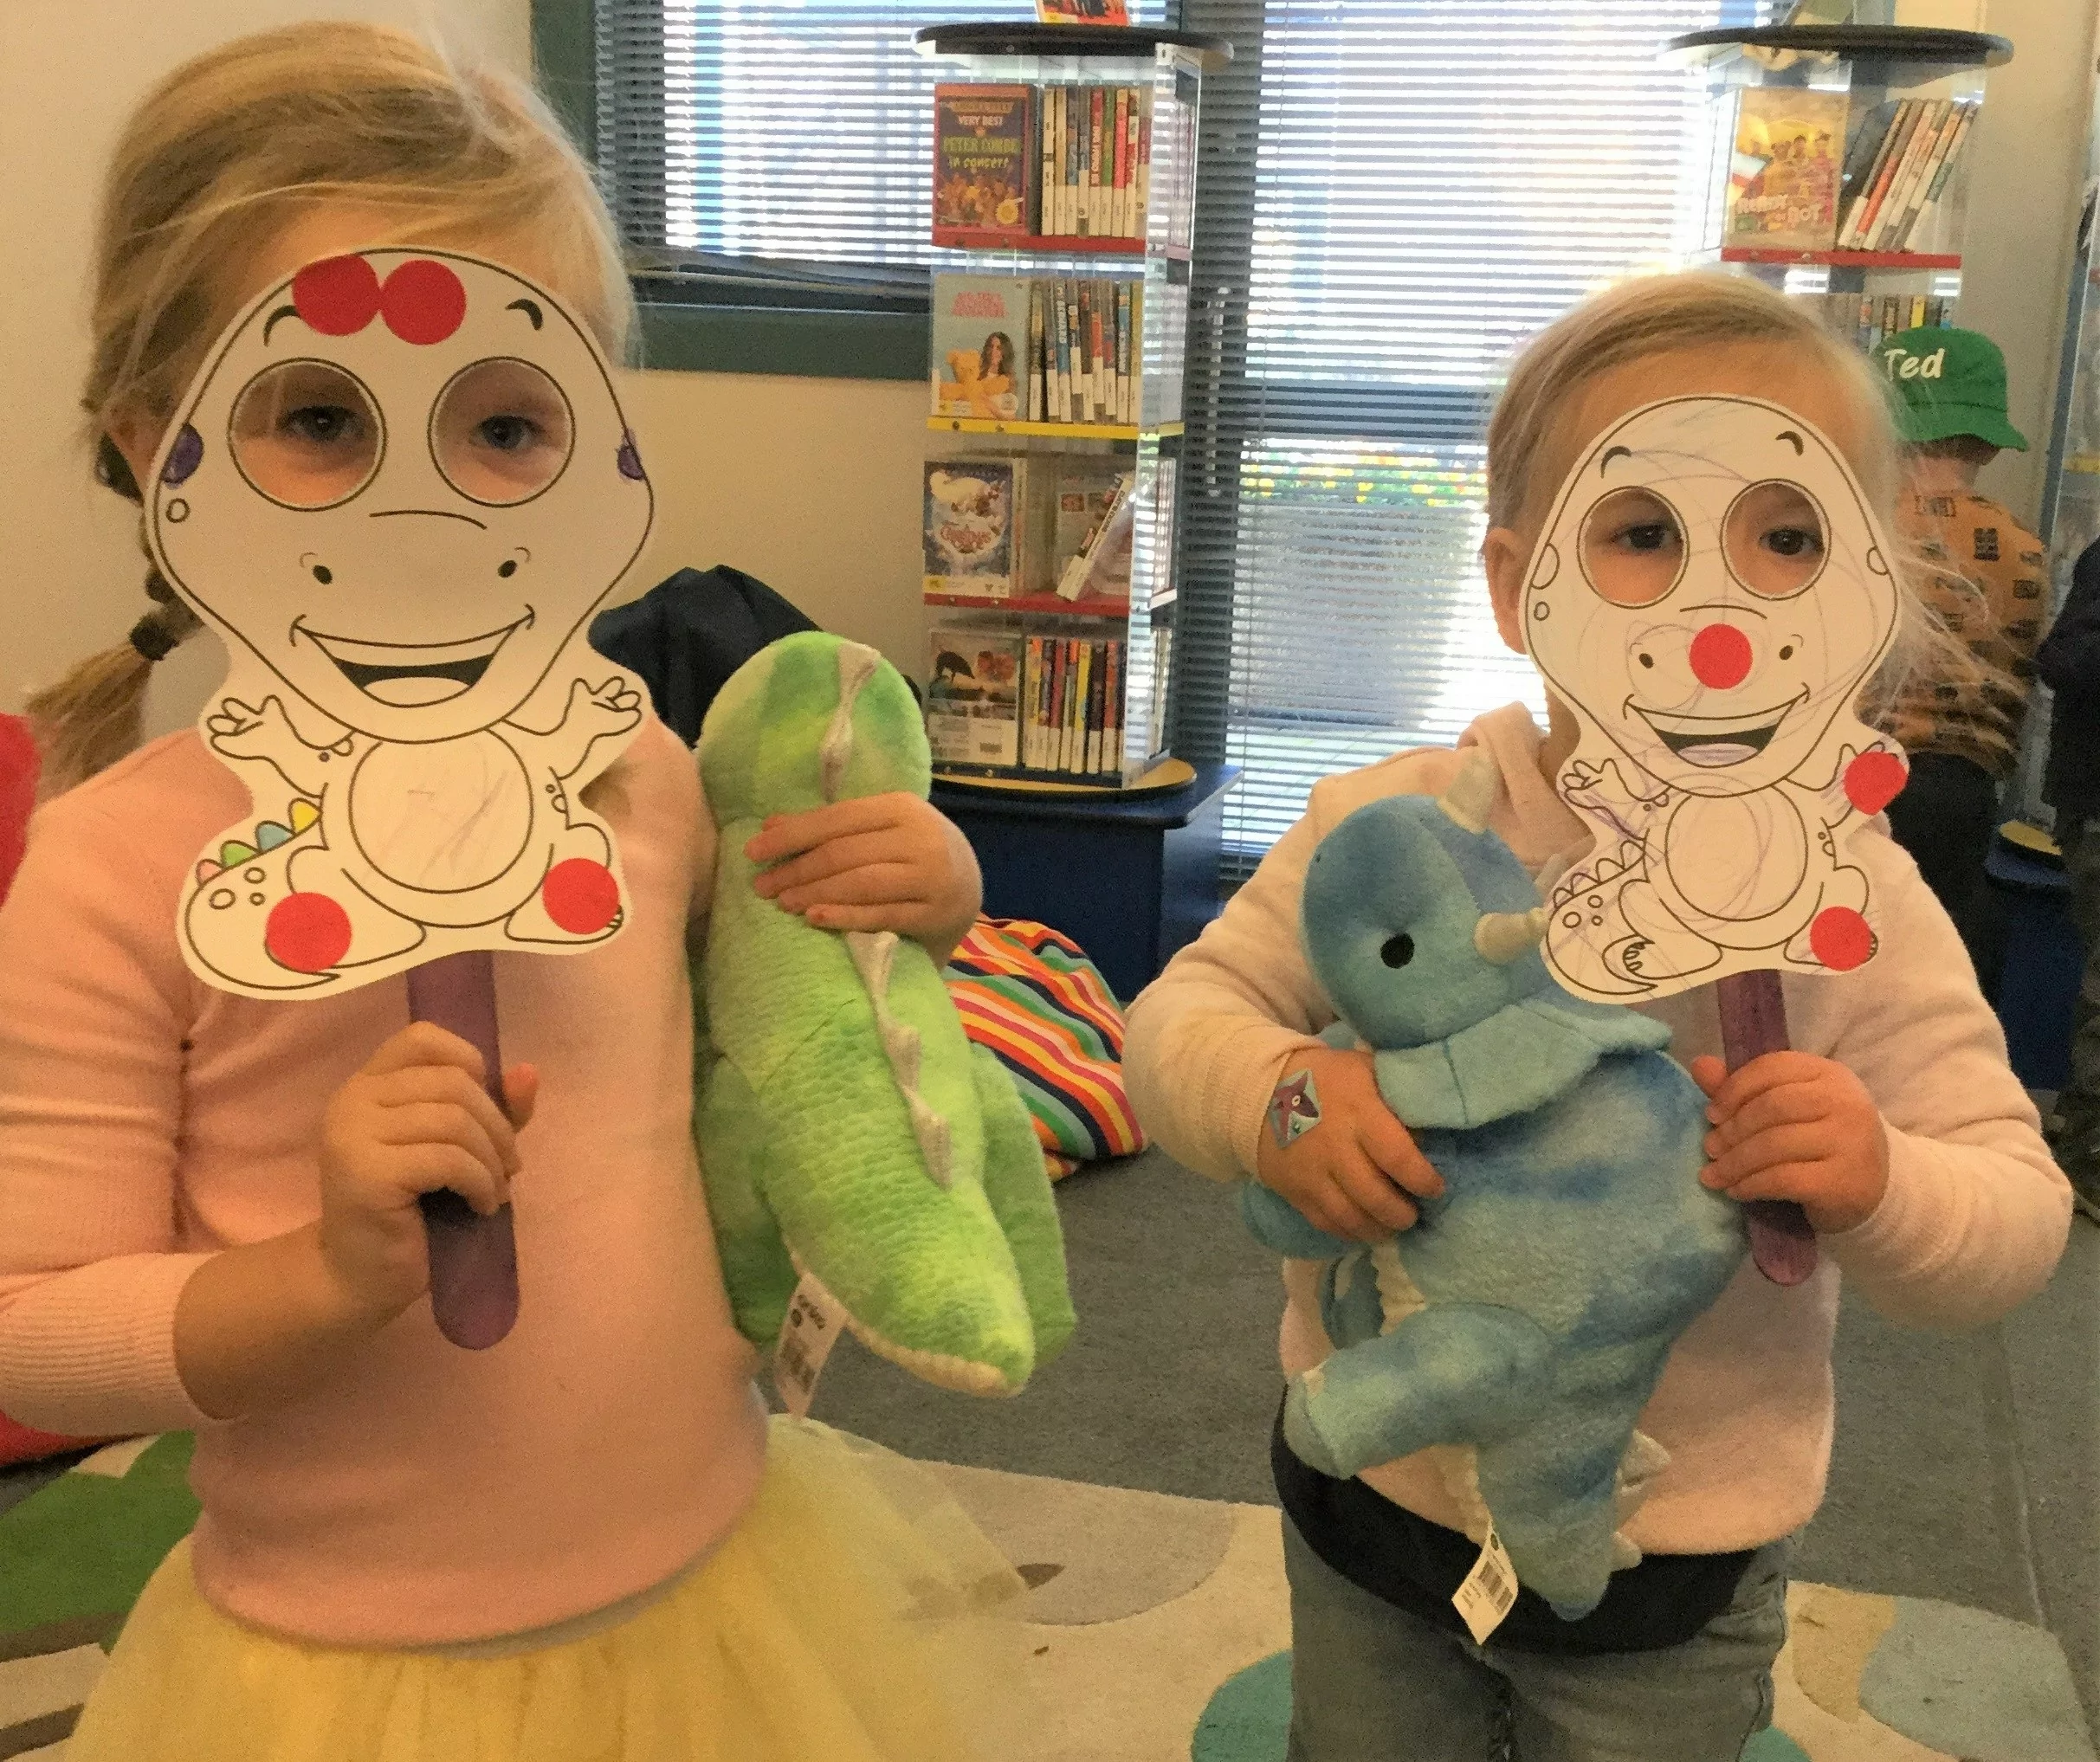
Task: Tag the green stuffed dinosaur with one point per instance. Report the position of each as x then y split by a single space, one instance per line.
849 1130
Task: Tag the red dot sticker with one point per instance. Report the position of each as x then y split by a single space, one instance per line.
1721 657
337 296
1875 779
423 302
581 895
308 932
1840 938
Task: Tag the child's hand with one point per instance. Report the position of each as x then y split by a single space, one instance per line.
1351 1172
416 1119
1790 1125
875 863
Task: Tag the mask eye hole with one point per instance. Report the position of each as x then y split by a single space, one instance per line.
1632 546
306 434
1773 537
1398 951
501 431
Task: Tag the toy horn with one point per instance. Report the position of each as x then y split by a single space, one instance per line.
1471 793
1502 936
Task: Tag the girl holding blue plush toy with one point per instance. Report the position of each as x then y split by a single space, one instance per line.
1646 1431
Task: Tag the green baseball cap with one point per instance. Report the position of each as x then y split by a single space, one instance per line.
1947 383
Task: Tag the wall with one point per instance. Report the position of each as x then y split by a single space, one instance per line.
70 71
2026 184
812 485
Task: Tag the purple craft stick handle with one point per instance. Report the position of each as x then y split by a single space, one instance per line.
474 1259
1754 1023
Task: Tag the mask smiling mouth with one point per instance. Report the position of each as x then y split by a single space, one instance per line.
1715 742
408 675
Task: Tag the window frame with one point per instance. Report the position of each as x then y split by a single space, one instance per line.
699 327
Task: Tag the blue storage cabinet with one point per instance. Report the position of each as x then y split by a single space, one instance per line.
1130 879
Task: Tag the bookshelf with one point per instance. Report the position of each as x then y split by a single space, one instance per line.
1063 207
1839 163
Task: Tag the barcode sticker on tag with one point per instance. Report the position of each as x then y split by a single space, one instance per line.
806 1338
1490 1591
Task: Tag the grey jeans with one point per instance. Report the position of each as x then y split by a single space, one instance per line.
1372 1683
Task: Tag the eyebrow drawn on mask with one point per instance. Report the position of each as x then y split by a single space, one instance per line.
530 308
1610 454
270 323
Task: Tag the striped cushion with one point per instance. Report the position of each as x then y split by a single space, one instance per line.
1032 997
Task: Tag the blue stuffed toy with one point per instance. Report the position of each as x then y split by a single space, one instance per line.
1530 1310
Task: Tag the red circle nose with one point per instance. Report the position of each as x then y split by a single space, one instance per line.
1720 656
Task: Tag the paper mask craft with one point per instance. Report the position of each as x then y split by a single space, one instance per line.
398 488
1711 595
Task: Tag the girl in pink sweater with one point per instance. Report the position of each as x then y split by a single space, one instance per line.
1894 1121
587 1540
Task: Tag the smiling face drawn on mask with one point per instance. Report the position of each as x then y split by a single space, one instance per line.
398 487
1711 595
402 483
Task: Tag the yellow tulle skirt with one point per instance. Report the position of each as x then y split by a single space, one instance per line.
855 1615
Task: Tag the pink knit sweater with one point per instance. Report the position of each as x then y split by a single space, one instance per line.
429 1494
1973 1222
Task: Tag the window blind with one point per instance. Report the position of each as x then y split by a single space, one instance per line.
1392 195
778 132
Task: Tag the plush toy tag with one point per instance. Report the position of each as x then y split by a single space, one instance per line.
811 1329
1489 1591
1710 594
398 488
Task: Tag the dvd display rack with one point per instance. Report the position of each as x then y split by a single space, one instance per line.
1839 163
1063 175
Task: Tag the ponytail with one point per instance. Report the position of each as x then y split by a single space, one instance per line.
95 714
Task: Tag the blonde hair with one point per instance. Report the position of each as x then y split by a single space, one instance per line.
1655 316
221 155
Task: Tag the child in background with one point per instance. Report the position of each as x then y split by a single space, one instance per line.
1895 1122
588 1541
1986 578
2069 664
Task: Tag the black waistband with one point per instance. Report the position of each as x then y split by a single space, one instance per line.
1418 1565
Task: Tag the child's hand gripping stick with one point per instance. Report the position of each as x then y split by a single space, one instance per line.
474 1259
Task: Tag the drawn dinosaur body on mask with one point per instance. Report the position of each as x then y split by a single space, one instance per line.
1521 1326
1711 595
398 490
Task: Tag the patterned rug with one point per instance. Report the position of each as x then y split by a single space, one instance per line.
1160 1630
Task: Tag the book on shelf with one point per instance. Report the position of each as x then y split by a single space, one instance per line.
979 322
1783 175
1071 707
984 164
997 338
1078 165
1898 170
1082 12
974 527
1866 320
1162 676
1165 524
1102 559
973 697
